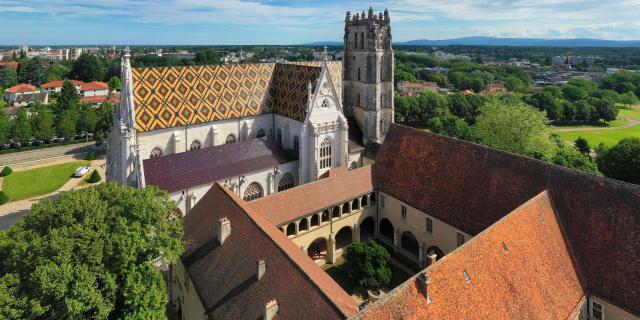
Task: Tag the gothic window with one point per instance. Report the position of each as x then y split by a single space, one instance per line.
286 182
296 143
279 137
230 139
325 104
361 40
358 102
356 43
253 192
260 134
156 152
358 74
195 145
325 154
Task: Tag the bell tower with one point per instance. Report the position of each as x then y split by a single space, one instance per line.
368 72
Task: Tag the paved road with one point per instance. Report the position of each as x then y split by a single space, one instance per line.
46 153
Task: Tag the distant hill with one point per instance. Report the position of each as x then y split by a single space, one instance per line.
528 42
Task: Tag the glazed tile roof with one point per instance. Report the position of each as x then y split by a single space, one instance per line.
175 96
519 268
471 187
312 197
183 170
225 275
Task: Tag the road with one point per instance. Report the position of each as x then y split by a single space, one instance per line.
47 153
12 211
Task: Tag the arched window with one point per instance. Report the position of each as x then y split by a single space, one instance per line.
365 201
230 139
325 154
296 143
291 229
358 75
325 215
355 204
156 152
279 137
260 134
195 145
314 220
286 182
253 192
355 45
346 208
302 226
372 198
336 212
361 40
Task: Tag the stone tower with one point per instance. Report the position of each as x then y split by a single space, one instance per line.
368 72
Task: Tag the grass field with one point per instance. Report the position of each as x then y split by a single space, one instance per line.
40 181
595 137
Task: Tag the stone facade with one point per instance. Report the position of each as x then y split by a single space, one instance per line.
368 72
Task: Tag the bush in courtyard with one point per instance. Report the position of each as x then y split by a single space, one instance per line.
95 177
4 198
91 155
6 171
367 263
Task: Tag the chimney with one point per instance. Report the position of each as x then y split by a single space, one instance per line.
270 310
422 282
224 229
262 268
431 258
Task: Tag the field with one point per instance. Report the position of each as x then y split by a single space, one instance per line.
40 181
627 125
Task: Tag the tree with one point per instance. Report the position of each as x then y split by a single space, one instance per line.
574 93
582 145
8 77
209 56
67 122
87 68
628 98
622 161
438 78
515 84
5 128
90 254
95 177
68 98
447 124
516 128
404 76
88 120
547 102
114 83
57 72
31 71
571 158
367 262
21 126
605 109
43 123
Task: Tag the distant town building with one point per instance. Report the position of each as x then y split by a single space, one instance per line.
493 88
569 61
450 56
407 88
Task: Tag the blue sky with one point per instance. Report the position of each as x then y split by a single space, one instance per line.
301 21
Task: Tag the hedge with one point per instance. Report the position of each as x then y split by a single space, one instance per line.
95 177
4 198
6 171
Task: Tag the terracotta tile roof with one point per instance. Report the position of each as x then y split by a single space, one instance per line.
314 196
11 64
60 83
224 275
23 87
94 85
183 170
471 187
114 99
535 279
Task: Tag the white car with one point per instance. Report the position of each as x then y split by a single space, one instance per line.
81 171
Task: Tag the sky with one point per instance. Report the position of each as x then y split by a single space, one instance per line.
213 22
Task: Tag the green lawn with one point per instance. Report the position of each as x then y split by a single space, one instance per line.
633 113
29 183
595 137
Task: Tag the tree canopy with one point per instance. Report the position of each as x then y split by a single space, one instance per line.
622 161
90 254
368 262
87 68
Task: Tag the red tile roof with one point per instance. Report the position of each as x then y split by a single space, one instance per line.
60 83
94 85
23 87
535 279
315 196
11 64
224 275
183 170
471 187
114 99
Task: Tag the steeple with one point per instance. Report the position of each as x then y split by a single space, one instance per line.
127 116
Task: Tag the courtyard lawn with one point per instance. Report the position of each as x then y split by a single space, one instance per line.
595 137
39 181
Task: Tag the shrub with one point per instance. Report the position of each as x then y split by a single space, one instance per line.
4 198
95 177
6 171
91 155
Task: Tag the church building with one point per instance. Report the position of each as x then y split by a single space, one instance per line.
257 128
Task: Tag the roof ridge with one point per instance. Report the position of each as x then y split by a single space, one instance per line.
262 224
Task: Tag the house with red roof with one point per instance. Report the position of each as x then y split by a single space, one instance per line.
56 86
24 94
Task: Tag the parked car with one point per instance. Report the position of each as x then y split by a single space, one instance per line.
81 171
